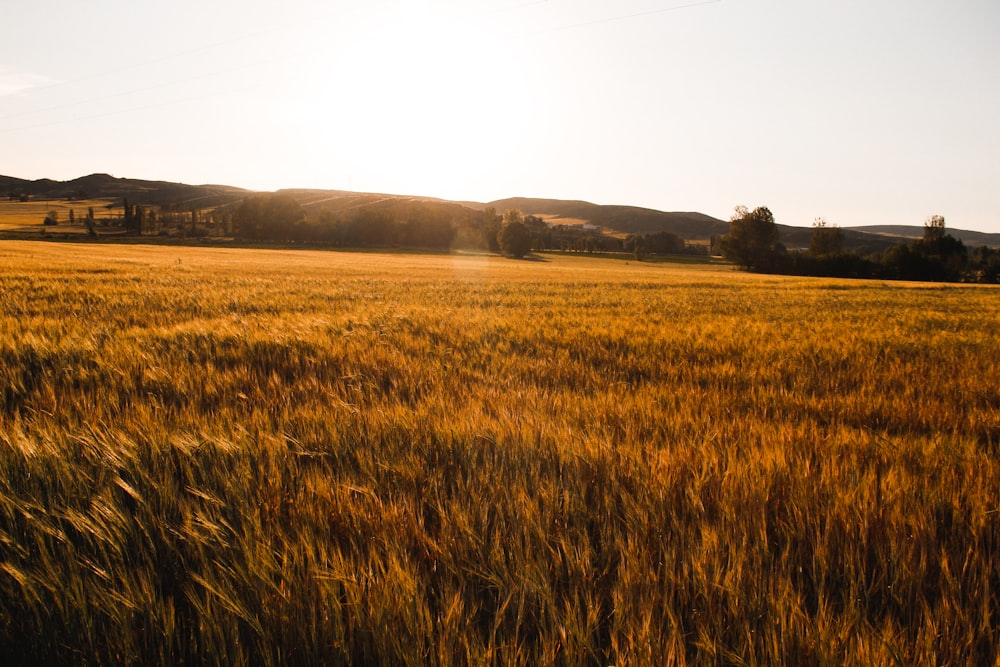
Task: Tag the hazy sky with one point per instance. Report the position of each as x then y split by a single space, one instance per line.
859 111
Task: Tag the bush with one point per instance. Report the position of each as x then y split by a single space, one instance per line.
514 239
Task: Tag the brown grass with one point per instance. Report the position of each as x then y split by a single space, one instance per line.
267 457
27 217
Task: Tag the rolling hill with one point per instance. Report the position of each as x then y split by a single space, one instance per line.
105 186
907 232
691 226
623 219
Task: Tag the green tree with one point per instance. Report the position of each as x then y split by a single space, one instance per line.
491 229
826 239
934 228
139 219
638 247
662 243
128 215
515 237
427 227
986 265
937 256
513 215
943 250
266 216
752 242
89 221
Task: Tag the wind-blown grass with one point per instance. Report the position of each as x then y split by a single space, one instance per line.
267 457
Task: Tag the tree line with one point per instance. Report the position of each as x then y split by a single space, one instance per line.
753 244
280 218
175 220
435 226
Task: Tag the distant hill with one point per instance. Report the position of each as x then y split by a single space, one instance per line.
624 219
618 219
101 186
343 204
338 201
907 232
698 226
863 243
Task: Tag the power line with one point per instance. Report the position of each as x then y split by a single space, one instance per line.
624 17
500 10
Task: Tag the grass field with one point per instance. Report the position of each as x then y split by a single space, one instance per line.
26 217
222 456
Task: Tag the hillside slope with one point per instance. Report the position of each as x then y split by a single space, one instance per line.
98 186
625 219
914 232
612 218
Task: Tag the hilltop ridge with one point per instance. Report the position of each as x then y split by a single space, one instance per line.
139 191
617 219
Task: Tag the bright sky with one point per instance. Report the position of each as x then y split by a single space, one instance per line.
858 111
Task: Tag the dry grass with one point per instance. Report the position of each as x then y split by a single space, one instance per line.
267 457
27 217
559 220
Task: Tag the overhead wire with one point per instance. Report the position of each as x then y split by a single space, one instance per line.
624 17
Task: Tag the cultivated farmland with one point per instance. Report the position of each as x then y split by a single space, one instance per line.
271 457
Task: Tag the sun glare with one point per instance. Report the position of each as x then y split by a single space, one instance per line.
424 101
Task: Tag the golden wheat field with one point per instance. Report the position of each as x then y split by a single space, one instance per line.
262 457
